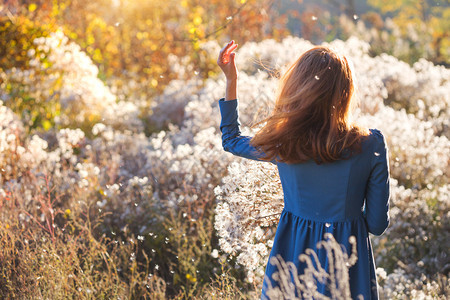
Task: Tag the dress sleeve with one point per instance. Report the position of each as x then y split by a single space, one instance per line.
378 193
232 140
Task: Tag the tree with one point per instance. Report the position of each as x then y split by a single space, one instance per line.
418 19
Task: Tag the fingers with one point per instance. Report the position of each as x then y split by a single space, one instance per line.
224 56
225 52
231 49
224 49
230 43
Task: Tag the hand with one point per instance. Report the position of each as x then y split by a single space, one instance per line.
226 61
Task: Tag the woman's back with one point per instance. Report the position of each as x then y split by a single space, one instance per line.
335 192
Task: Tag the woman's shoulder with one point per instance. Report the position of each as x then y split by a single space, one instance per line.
376 135
376 140
376 132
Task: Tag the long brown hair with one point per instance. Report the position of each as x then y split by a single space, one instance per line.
311 118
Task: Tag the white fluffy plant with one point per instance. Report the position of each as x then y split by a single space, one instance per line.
11 131
185 161
250 204
70 75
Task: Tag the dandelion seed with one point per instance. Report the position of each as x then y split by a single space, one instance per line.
184 215
355 17
113 233
215 253
314 18
117 24
196 72
170 228
140 237
229 18
327 225
153 250
171 272
376 154
157 267
135 204
150 233
316 77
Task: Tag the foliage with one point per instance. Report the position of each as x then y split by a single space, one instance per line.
426 20
106 192
148 203
135 39
17 34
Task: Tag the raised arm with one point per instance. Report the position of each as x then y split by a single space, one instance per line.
378 193
226 62
232 140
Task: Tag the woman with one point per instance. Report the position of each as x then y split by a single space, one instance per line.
334 174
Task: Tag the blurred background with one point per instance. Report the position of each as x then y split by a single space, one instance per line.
128 38
113 180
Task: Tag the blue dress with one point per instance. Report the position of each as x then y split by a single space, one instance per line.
345 198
